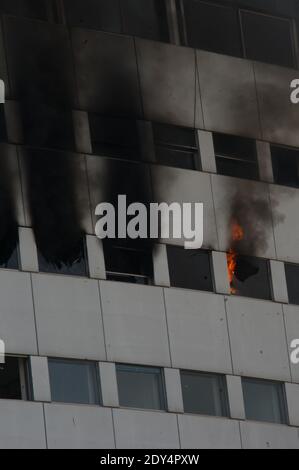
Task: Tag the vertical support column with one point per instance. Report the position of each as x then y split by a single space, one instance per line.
173 390
160 262
146 139
235 397
264 161
279 282
109 384
82 132
28 251
219 261
207 152
96 260
40 378
173 25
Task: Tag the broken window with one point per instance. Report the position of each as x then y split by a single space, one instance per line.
176 146
78 266
141 387
235 156
36 9
74 381
264 401
251 278
285 163
189 269
204 394
14 379
13 261
292 276
268 38
94 14
125 263
114 137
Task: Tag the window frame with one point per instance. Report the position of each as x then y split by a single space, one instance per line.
25 378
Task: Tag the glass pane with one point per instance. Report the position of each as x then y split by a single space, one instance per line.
292 275
285 166
189 269
235 147
268 39
145 18
204 394
94 14
10 387
75 268
212 27
73 382
237 168
264 401
176 158
173 135
127 261
140 387
251 278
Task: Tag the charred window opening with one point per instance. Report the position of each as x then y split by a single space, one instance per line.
35 9
14 379
114 137
285 166
250 277
235 156
292 276
190 269
176 146
94 14
128 264
76 267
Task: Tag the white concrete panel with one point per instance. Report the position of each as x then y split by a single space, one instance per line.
279 283
292 395
285 207
173 388
200 432
257 337
219 261
135 324
235 396
22 425
160 263
198 331
68 315
28 252
79 427
207 152
228 94
17 326
172 70
177 185
291 315
109 384
40 378
268 436
145 430
96 260
264 161
82 131
226 190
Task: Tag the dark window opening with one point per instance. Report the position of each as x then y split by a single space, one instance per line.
292 276
77 267
285 163
190 269
141 387
176 146
252 278
74 382
35 9
145 19
264 401
235 156
13 261
128 264
94 14
3 128
14 379
204 394
114 137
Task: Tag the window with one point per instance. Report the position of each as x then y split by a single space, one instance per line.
176 146
268 39
264 401
189 269
94 14
292 275
13 261
235 156
14 379
74 382
114 137
26 8
285 165
128 264
204 394
141 387
252 278
78 267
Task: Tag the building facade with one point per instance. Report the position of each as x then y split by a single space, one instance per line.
143 344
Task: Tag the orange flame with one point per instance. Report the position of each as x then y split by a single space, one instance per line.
237 234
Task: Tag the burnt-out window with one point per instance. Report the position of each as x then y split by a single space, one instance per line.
78 267
285 163
94 14
251 278
36 9
3 129
292 276
211 26
128 263
189 269
268 39
235 156
12 261
176 146
114 137
145 18
14 379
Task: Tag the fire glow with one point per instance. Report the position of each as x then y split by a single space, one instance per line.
237 234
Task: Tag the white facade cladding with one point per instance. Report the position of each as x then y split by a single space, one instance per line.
159 328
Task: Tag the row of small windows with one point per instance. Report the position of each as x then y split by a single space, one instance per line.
143 387
239 28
